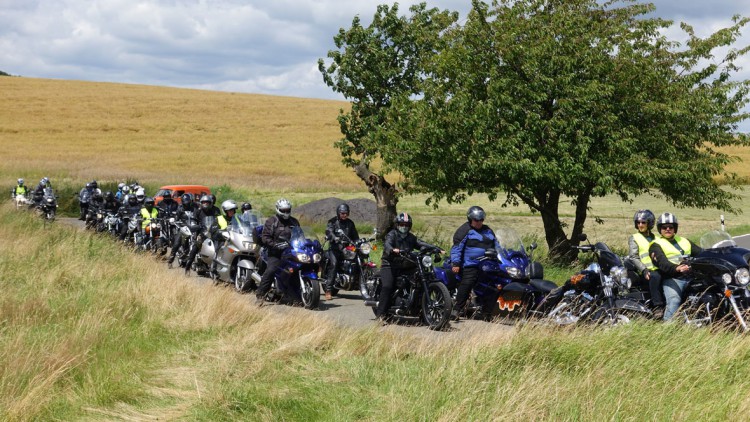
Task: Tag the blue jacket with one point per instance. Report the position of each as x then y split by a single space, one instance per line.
472 246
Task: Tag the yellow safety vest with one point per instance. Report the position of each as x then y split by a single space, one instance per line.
671 252
643 245
222 222
147 218
22 190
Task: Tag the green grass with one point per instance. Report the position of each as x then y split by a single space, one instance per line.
89 330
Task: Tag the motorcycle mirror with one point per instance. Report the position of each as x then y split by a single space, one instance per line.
225 235
533 246
582 237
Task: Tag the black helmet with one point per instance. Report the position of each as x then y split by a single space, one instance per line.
94 184
97 194
246 206
149 201
475 213
167 195
88 186
109 196
667 218
206 202
403 222
187 198
342 209
213 198
132 200
644 215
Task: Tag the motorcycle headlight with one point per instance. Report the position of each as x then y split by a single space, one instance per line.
365 248
514 272
427 261
726 278
350 254
248 245
303 258
316 258
620 275
742 276
171 220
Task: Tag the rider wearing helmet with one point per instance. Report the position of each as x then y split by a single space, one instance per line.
20 189
140 195
667 253
396 241
168 205
340 231
84 198
206 212
470 242
110 204
188 209
641 268
122 195
277 231
128 210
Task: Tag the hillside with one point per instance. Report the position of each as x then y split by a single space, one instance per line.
76 130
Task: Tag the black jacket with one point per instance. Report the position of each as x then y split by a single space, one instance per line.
404 243
347 226
277 230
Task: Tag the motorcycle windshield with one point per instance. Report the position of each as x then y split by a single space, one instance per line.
251 219
298 237
717 239
49 193
208 221
243 226
509 241
607 258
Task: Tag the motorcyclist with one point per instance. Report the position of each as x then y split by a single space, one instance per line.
140 196
148 213
470 242
277 231
207 211
38 193
187 209
110 204
129 210
396 241
339 231
122 191
229 207
168 205
84 198
641 268
96 203
247 213
667 253
20 189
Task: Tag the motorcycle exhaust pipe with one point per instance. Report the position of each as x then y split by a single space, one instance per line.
255 276
371 303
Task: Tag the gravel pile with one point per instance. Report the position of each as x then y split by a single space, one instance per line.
362 210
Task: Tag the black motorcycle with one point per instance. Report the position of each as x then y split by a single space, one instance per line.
355 268
598 294
717 289
417 292
47 207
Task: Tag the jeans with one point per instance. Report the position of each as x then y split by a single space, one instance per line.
673 291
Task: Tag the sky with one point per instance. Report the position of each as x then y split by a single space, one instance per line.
249 46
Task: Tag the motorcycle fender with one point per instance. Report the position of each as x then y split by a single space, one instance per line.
207 249
246 263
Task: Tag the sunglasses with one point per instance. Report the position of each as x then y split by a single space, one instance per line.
642 222
667 227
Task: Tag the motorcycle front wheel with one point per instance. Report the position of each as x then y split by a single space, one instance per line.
310 293
367 281
436 306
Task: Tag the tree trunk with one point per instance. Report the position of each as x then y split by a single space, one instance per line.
385 197
558 243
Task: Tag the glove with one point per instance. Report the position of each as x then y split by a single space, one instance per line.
281 245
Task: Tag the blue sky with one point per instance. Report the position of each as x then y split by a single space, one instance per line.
253 46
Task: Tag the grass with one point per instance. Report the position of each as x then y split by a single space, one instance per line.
94 332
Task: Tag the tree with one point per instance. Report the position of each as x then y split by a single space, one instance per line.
371 66
545 99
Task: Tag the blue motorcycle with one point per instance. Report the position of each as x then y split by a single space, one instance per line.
509 283
296 279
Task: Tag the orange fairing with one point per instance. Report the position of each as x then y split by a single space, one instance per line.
509 305
576 279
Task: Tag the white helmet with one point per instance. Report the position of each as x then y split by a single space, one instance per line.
283 208
229 205
140 194
20 182
121 185
126 189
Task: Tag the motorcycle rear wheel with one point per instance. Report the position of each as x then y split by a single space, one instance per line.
437 305
311 293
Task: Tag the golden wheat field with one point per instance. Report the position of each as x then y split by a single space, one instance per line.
79 130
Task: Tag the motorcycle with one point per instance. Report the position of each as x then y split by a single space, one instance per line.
717 289
236 257
188 231
599 293
416 293
47 208
111 223
355 267
509 284
297 276
20 201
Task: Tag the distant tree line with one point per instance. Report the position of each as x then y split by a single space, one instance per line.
4 74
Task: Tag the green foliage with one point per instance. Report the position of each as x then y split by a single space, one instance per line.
4 74
543 99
